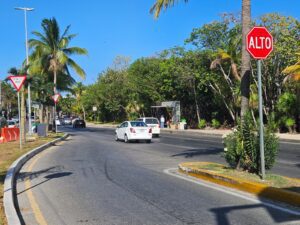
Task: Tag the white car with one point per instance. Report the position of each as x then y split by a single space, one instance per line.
133 131
153 123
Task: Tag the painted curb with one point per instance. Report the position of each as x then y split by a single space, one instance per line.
9 183
260 190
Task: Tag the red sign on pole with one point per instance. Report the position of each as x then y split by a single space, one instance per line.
56 98
17 81
259 43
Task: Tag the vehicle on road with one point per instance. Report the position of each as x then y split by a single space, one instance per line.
133 131
11 123
67 121
79 123
153 123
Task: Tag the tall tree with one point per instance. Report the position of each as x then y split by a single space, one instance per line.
245 70
246 61
51 50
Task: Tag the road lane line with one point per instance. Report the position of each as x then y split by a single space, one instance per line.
228 191
32 201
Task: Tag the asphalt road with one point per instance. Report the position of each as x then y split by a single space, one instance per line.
91 179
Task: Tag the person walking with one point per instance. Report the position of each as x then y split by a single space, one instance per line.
162 121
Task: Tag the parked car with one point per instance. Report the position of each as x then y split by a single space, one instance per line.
153 123
79 123
133 131
11 123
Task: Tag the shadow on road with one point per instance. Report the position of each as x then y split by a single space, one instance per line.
196 152
49 174
223 213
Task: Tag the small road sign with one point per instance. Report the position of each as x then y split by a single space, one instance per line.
17 81
56 98
259 42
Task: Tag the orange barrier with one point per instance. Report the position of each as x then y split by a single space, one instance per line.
10 134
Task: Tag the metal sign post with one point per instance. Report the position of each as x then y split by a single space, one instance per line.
261 122
260 45
18 82
20 127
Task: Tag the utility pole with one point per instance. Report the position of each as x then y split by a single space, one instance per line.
27 63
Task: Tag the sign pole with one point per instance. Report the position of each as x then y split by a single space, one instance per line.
261 123
55 117
20 127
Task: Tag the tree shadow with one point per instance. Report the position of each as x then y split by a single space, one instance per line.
196 152
222 213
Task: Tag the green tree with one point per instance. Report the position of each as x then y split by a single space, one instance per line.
51 51
245 67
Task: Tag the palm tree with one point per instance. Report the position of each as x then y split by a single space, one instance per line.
245 68
51 52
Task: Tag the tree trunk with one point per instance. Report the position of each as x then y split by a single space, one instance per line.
245 73
83 110
196 103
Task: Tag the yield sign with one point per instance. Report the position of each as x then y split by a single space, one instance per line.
17 81
55 98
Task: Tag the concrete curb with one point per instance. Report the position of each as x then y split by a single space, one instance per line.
10 184
260 190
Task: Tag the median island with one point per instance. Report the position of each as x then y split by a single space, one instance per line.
274 187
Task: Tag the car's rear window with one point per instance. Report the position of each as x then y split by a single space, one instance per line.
151 121
138 124
11 123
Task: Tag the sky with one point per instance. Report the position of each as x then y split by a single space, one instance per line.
121 27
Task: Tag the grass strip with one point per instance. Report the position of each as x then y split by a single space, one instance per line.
9 152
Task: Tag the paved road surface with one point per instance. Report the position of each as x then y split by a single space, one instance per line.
91 179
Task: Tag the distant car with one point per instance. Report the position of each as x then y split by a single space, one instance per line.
79 123
11 123
153 123
67 121
133 131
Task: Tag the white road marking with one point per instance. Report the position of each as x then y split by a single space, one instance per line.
229 191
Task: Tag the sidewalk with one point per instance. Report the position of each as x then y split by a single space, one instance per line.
212 132
221 132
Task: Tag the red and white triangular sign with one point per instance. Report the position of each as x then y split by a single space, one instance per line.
17 81
55 97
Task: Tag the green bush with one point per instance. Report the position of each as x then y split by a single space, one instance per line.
289 123
215 123
242 147
202 124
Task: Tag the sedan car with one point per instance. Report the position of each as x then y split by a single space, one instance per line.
79 123
152 122
133 131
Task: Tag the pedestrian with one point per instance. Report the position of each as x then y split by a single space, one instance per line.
162 121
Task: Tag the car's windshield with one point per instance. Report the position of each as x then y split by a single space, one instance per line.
152 121
138 124
11 123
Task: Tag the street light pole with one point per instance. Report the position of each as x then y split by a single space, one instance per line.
27 62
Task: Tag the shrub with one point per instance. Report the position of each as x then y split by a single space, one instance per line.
215 123
243 149
289 123
202 124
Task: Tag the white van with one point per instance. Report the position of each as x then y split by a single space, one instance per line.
153 123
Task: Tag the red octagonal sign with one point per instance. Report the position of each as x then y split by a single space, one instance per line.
259 42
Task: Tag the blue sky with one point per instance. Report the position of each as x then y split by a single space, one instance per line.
120 27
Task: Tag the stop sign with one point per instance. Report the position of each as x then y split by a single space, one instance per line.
259 42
